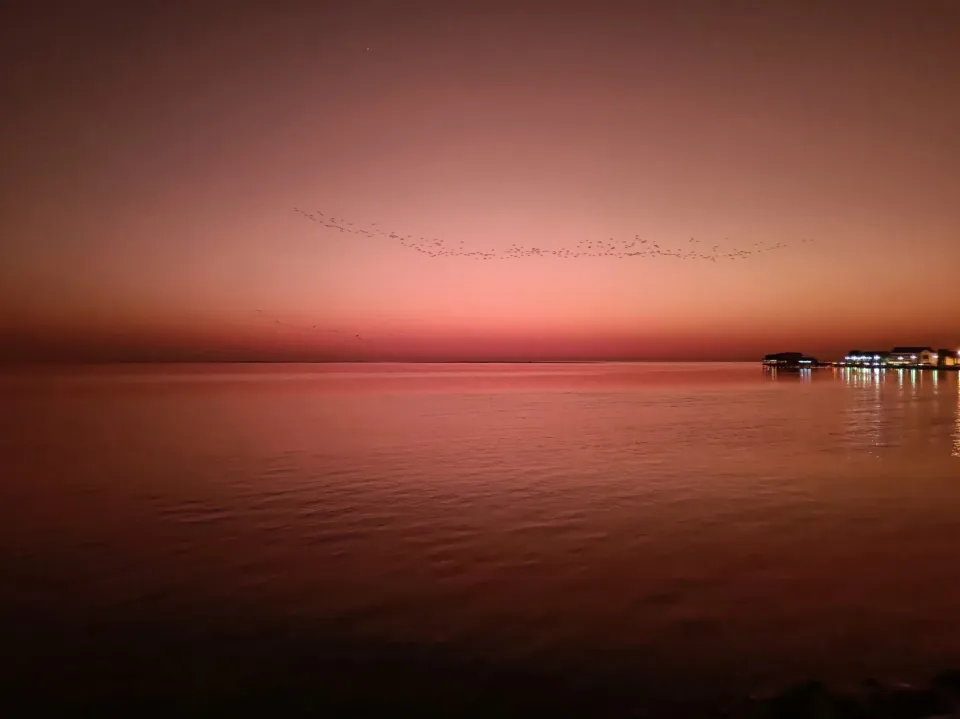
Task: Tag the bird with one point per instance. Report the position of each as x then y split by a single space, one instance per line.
436 247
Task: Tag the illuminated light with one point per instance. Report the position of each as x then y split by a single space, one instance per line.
877 357
956 431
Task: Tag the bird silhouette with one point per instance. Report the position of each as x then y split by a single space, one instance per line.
586 248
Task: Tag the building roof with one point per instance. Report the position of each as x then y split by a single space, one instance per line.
784 355
912 350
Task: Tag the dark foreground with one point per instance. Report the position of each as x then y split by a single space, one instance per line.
405 680
503 696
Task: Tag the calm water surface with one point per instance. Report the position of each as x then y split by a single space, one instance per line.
405 528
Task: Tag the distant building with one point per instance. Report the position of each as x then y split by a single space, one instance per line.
948 358
907 356
789 360
867 358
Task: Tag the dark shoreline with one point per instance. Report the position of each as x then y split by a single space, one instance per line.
938 698
411 686
153 669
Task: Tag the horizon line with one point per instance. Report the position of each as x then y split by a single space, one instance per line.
383 361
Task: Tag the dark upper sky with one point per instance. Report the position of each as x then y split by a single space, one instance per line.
154 152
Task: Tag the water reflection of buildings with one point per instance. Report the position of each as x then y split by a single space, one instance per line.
902 410
865 416
894 410
956 426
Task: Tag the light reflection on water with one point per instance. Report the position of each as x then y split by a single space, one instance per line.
956 431
742 524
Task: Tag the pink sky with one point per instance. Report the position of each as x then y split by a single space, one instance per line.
153 159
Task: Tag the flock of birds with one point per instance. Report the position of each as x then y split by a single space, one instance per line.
311 328
694 250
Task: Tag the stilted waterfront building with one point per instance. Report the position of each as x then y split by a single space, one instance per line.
917 356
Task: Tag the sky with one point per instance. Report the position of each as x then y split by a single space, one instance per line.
154 153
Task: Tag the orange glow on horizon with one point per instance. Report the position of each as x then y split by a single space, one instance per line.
153 216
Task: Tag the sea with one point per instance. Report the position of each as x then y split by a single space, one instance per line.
582 539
